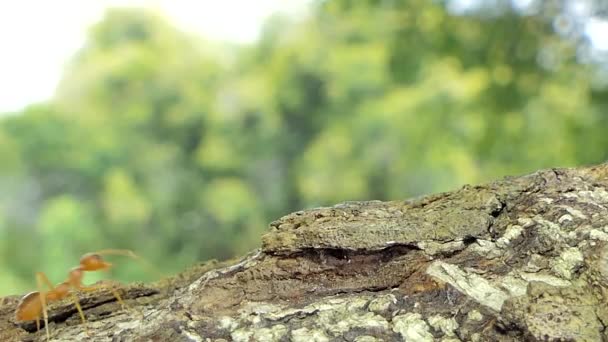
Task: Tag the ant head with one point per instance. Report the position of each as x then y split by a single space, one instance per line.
94 262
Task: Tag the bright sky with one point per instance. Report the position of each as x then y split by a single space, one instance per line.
38 37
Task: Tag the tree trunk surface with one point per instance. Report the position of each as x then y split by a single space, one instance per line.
524 258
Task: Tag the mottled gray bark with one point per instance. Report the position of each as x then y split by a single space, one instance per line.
524 258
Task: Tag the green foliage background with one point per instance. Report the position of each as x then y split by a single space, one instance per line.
183 150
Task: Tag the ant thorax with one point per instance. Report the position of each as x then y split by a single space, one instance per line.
75 276
59 292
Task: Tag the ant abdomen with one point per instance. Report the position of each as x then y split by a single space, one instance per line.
29 308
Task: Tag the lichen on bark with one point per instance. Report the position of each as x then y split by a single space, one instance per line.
524 258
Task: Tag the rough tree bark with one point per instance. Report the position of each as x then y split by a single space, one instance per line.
523 258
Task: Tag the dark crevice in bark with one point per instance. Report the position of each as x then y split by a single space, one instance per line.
389 252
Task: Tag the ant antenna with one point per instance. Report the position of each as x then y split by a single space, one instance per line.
129 253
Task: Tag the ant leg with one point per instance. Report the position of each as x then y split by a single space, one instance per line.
41 279
90 289
102 286
119 299
80 312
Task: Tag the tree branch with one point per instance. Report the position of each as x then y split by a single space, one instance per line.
522 258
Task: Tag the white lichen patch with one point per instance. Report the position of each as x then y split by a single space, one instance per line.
258 308
596 234
602 265
333 316
128 325
545 278
340 322
412 327
273 333
366 338
446 325
191 336
547 200
433 247
473 285
281 314
574 212
514 285
569 260
241 335
330 304
381 303
250 261
598 196
512 232
525 222
227 323
486 248
352 305
308 335
550 229
474 315
536 263
565 218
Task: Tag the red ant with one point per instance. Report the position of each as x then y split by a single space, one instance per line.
33 304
